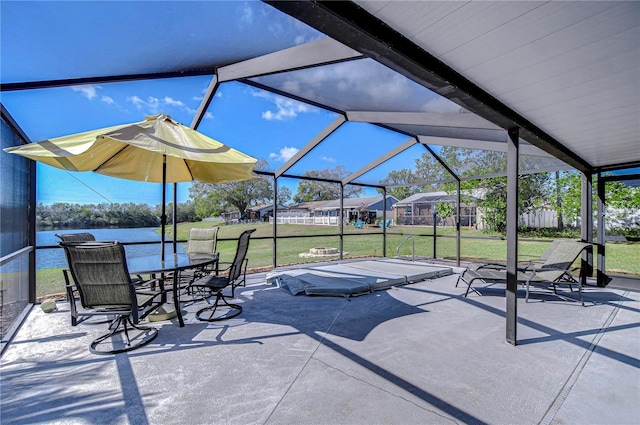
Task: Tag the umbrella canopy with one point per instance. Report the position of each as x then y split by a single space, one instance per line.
156 150
137 152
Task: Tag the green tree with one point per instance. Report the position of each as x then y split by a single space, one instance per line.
207 201
61 215
401 177
284 195
568 191
534 188
186 213
213 199
617 195
313 190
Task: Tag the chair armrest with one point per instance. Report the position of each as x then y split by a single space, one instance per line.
219 269
501 266
241 281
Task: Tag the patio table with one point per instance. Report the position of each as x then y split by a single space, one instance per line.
172 263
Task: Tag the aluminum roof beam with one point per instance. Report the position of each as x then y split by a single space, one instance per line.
393 152
206 101
320 52
480 144
326 132
461 120
31 85
465 179
466 130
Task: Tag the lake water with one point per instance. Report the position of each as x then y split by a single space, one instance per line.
54 258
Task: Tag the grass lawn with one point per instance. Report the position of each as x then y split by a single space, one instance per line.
477 246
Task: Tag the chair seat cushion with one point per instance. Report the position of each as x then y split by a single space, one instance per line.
212 282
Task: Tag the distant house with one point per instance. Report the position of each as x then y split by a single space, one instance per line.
263 212
232 217
306 208
367 209
421 209
327 212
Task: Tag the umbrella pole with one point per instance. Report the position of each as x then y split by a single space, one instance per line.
174 218
163 217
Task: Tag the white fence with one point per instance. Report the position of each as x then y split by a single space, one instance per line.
539 219
320 221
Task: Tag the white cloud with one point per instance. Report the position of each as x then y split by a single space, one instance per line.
208 116
361 84
154 105
284 155
150 106
246 14
285 108
87 91
328 159
108 100
172 102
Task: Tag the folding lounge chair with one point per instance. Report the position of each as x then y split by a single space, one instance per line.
528 265
554 270
523 266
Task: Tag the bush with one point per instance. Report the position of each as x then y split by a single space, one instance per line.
549 233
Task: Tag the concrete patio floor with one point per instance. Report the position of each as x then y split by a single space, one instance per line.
415 354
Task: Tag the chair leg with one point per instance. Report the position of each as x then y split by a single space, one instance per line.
234 310
121 326
553 284
580 293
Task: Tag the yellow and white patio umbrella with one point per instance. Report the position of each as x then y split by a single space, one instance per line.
138 151
157 149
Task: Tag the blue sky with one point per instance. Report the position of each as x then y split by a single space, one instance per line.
238 117
57 40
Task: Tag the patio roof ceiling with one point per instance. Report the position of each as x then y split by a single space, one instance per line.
567 73
440 73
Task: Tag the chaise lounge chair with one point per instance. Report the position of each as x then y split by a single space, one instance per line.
528 265
555 269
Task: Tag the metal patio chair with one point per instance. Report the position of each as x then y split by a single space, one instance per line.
215 284
554 270
73 237
76 237
201 241
101 277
